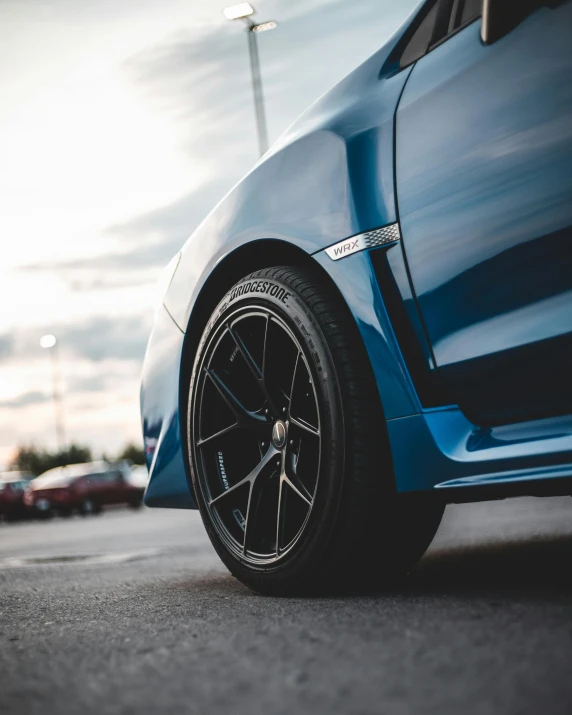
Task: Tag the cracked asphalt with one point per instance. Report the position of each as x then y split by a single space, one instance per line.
133 613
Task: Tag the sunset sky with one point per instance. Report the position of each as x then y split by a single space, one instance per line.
122 123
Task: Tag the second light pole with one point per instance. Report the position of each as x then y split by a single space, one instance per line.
50 343
243 11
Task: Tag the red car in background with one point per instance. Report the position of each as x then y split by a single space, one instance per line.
84 488
12 489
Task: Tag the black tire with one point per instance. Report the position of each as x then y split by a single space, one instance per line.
89 507
357 531
136 503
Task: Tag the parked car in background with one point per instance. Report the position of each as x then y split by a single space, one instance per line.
12 488
83 488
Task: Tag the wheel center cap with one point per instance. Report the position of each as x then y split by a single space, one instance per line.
279 434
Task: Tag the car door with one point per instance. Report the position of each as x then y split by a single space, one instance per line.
107 488
484 190
91 487
118 487
98 487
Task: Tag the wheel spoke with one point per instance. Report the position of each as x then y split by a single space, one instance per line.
291 395
253 367
303 426
250 478
279 519
254 499
245 354
234 404
296 485
230 490
265 346
252 510
216 435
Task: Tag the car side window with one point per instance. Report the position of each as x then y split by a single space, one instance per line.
471 10
95 478
105 477
421 38
463 12
442 18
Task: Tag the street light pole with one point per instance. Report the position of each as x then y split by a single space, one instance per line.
50 342
257 88
243 11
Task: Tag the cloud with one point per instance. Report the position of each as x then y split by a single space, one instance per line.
202 83
123 338
5 345
173 223
89 383
24 400
146 244
96 338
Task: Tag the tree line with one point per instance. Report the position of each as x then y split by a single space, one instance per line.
30 458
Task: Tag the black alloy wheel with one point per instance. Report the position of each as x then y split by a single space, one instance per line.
89 507
258 440
286 443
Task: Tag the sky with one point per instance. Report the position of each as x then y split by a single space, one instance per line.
121 125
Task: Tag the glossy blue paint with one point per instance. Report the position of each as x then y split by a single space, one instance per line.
356 280
481 268
439 448
484 185
399 302
341 155
442 449
168 485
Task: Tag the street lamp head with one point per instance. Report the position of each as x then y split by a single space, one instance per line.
47 341
264 26
238 12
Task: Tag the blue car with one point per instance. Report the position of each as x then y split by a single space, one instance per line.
377 320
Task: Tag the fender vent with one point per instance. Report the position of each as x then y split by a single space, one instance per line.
369 239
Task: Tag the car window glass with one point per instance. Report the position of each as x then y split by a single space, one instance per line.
96 478
419 42
104 477
471 9
464 11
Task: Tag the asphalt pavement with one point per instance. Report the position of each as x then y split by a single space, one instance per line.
133 613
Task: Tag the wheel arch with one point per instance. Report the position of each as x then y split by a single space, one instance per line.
246 259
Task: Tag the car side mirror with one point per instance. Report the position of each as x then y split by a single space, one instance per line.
501 17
